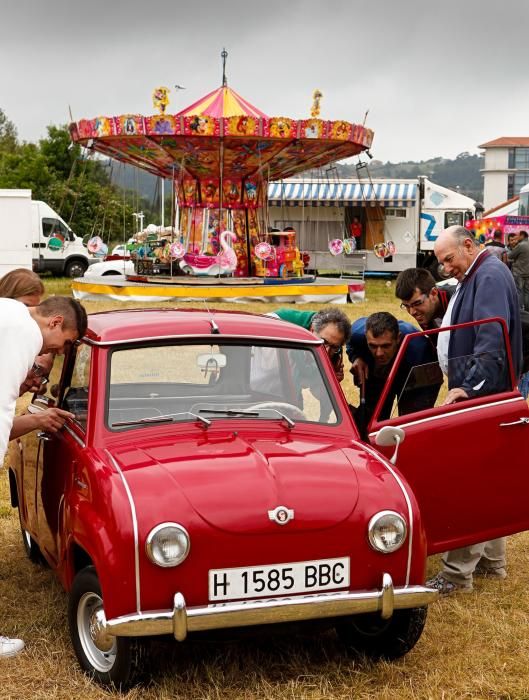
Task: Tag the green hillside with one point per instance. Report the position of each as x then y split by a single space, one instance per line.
462 173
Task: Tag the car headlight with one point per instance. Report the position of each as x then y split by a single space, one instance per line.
387 531
167 544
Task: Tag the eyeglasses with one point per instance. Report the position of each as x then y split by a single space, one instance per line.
39 372
414 304
334 349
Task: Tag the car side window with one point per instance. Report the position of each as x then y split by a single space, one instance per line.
422 386
76 396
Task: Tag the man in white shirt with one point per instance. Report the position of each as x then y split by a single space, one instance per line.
24 334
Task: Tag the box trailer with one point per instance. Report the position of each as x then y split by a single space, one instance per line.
408 214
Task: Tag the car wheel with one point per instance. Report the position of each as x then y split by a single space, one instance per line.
76 268
30 546
109 660
383 639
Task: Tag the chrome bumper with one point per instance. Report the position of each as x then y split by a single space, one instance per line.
181 620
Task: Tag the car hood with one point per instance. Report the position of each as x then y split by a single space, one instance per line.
233 482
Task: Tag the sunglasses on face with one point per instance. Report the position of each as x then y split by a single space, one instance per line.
332 349
39 372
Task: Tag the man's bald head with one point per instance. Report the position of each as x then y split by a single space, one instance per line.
456 249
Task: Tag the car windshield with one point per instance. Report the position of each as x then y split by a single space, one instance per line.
176 383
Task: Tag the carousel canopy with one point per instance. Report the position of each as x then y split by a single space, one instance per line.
222 102
198 144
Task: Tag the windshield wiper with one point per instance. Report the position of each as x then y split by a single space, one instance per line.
229 412
169 418
288 420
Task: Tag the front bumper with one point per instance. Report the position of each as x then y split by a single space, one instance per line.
181 619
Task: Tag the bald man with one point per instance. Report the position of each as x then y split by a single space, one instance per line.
476 365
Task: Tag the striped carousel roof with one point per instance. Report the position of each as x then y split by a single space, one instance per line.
222 102
387 194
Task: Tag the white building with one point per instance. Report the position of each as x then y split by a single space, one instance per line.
506 169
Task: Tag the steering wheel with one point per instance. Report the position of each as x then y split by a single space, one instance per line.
289 409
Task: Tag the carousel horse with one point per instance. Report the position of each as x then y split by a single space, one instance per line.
224 263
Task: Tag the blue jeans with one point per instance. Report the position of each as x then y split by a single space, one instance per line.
523 385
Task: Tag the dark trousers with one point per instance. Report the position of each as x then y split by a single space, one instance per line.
522 287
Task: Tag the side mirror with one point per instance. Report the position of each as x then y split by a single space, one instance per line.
389 435
40 403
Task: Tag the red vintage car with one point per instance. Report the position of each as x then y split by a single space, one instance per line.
213 477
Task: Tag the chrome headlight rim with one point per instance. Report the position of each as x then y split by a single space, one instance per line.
371 531
150 539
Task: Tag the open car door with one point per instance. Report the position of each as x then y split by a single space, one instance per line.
468 462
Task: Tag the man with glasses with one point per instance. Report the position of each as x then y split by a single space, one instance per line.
50 420
422 299
24 334
331 325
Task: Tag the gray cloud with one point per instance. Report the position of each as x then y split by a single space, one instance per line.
438 77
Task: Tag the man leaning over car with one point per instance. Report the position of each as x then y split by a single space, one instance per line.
24 334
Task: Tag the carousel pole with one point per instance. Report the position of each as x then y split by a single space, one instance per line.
224 55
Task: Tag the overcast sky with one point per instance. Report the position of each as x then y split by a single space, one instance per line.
438 78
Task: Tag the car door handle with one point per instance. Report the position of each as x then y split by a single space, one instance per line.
522 421
44 436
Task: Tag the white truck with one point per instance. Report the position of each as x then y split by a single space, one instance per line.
408 214
33 235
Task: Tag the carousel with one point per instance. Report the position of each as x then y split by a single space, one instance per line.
219 153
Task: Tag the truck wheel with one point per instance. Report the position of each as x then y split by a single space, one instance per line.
109 660
75 268
389 639
438 271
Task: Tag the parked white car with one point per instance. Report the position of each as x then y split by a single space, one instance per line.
121 250
111 267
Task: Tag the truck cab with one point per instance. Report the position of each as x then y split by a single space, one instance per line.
56 248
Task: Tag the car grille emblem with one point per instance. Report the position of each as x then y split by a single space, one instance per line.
281 515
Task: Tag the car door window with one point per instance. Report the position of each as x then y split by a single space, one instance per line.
76 395
412 388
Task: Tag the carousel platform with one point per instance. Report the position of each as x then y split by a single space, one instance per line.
303 290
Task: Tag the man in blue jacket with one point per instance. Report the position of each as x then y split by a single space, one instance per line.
476 363
372 350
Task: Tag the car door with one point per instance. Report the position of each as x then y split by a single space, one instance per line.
467 463
60 454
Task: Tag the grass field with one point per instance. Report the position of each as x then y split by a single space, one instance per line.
474 645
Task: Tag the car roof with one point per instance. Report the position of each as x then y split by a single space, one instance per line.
109 327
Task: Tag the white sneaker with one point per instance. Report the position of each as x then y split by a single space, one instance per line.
10 647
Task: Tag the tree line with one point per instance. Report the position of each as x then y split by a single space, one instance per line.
79 187
461 173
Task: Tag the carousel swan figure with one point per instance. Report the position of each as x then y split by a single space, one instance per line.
224 263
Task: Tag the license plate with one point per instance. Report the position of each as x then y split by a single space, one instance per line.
278 579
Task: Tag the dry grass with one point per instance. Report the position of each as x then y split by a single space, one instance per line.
474 645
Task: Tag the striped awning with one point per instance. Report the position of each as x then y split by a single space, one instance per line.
386 194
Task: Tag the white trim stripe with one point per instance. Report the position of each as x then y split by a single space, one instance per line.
429 419
390 469
134 528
